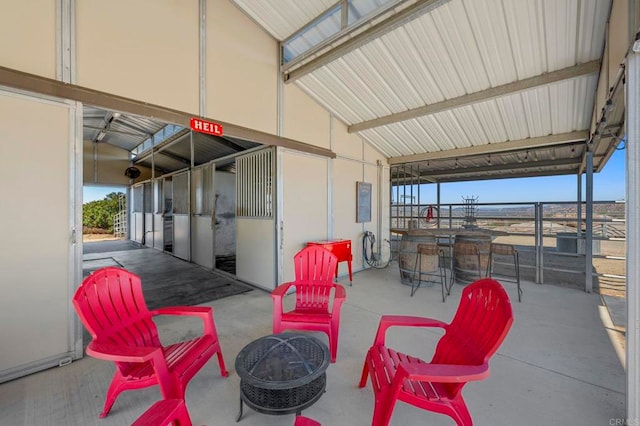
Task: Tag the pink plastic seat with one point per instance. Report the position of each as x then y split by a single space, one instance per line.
305 421
313 311
165 412
111 306
478 328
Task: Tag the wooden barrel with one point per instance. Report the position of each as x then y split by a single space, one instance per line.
465 256
407 256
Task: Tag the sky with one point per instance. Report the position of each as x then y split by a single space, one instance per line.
95 193
608 185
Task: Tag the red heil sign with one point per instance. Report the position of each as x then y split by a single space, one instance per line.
208 127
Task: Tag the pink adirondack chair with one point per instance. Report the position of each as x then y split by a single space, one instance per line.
111 306
478 328
314 269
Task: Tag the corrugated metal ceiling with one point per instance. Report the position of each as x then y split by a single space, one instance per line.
461 49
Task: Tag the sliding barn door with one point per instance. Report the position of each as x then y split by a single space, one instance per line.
202 226
255 218
181 216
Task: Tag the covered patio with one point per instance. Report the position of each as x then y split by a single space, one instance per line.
560 364
434 90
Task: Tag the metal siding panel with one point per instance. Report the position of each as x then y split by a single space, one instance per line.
430 46
593 14
560 23
402 133
512 114
526 31
390 139
453 129
392 71
376 140
561 108
403 46
369 67
469 122
586 99
487 19
455 30
425 142
536 111
491 121
438 133
323 85
369 102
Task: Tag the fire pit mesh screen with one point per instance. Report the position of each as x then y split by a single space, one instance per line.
282 372
289 400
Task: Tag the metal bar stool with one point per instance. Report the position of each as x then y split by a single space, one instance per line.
467 266
429 262
505 250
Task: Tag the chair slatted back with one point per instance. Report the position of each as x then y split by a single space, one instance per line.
479 326
111 305
315 263
315 267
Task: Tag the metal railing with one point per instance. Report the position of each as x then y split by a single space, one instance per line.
120 219
550 235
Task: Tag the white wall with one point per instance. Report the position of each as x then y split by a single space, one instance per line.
242 69
140 50
28 36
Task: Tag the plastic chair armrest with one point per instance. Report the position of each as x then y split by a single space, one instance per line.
443 373
340 292
119 353
282 289
183 310
205 313
168 383
404 321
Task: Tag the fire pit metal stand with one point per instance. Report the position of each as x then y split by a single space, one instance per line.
282 373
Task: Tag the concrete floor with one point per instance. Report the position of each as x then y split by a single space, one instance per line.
558 364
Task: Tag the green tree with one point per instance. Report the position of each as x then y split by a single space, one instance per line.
99 214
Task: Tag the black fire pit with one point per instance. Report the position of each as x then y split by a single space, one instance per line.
282 373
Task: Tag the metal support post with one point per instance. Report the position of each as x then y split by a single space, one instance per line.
538 230
588 241
579 207
633 230
438 202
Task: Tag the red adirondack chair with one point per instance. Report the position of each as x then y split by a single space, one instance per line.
479 326
314 268
111 306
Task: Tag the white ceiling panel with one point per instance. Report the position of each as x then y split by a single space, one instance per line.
491 34
488 114
321 86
